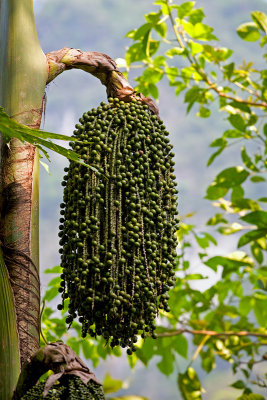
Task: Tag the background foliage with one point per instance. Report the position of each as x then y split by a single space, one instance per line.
219 304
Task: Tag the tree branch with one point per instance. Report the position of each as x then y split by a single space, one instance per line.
99 65
211 333
236 99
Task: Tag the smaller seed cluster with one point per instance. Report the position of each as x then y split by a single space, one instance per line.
118 223
70 387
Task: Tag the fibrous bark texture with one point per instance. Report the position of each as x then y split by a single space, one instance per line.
22 85
18 207
59 358
101 66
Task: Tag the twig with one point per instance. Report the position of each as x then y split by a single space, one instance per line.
200 70
177 35
199 348
211 333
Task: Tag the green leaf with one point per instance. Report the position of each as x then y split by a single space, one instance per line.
74 344
204 112
208 360
260 311
9 349
140 33
261 20
51 293
153 17
135 53
192 277
237 194
263 199
175 51
185 9
238 384
247 160
240 106
216 219
249 31
215 192
12 128
230 263
251 396
180 345
245 305
193 95
189 385
195 47
147 351
203 239
165 351
229 70
229 229
153 90
161 29
232 134
214 155
252 236
258 218
87 348
172 73
55 270
228 178
237 121
71 155
218 142
179 87
257 252
128 397
111 385
257 178
159 61
152 75
196 16
199 31
153 47
216 54
265 130
164 6
231 177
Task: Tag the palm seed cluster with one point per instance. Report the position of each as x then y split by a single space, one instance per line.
69 387
118 223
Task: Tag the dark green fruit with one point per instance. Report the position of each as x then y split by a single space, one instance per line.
118 231
69 387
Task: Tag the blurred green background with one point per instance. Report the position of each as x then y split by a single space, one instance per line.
100 25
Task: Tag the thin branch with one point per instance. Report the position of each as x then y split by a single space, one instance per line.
200 70
221 94
177 35
198 350
211 333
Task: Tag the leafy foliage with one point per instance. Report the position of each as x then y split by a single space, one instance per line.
9 128
227 320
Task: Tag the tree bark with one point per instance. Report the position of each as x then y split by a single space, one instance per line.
22 85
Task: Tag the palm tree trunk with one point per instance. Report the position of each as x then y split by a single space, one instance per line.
22 84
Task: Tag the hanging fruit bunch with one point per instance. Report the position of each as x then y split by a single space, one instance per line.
118 223
69 387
